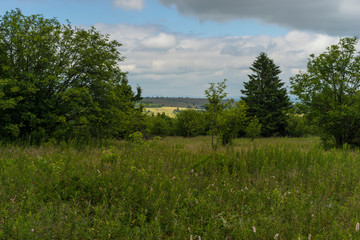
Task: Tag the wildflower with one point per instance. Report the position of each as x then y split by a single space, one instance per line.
199 238
254 229
309 237
357 227
276 236
32 230
246 189
191 238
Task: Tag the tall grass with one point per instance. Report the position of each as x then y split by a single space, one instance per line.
175 189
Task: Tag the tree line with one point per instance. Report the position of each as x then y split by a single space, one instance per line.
62 82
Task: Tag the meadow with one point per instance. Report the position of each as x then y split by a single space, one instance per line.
177 188
169 111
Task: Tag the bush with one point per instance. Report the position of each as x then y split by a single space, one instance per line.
299 126
253 130
232 122
190 123
159 125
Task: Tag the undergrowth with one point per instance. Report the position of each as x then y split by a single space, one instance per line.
175 188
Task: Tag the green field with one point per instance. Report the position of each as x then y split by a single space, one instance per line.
175 188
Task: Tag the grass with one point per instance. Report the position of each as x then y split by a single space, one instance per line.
175 188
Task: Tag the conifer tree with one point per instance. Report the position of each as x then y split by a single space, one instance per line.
266 97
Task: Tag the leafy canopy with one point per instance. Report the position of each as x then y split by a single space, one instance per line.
232 122
58 80
329 91
215 95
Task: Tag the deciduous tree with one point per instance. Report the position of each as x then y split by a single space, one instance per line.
329 91
215 95
232 122
190 123
59 80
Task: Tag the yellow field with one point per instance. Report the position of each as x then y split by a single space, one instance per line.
167 110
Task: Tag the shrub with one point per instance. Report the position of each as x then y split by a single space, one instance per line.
190 123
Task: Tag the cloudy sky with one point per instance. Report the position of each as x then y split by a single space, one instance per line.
176 47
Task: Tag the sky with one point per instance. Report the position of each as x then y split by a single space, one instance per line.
175 48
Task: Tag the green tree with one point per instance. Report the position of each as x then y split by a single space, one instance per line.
215 95
329 91
266 97
232 122
253 129
189 123
62 81
159 125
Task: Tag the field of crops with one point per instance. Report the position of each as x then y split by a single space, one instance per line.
169 111
177 188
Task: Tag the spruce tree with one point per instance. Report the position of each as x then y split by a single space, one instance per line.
266 97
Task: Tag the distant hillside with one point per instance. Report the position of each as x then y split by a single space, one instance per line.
183 102
196 103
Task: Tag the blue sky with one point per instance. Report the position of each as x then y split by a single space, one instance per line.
176 47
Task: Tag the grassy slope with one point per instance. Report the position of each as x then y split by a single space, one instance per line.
174 189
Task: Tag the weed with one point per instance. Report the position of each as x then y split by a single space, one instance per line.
174 188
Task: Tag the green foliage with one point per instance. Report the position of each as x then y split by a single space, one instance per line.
215 95
253 129
176 189
266 97
232 122
61 81
298 125
110 155
190 123
137 138
329 92
160 125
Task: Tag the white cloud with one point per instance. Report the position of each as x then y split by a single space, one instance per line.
128 67
166 64
130 4
158 65
161 41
